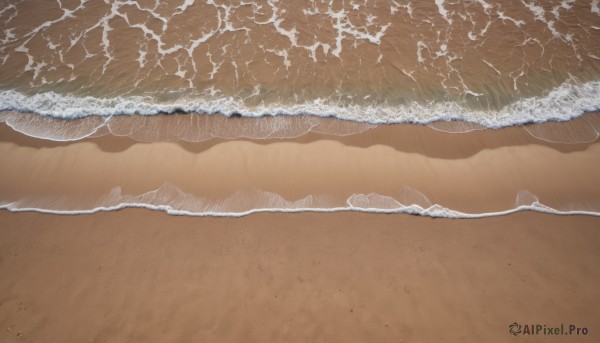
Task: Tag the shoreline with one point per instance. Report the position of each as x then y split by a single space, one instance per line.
201 127
490 171
567 100
434 213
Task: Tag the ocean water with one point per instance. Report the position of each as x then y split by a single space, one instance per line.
75 69
494 63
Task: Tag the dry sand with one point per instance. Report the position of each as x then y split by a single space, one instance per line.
142 276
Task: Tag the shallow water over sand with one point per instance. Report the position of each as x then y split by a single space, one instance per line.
494 63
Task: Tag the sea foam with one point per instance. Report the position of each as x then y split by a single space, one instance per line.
172 200
565 102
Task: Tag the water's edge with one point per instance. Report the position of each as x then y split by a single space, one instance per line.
168 198
194 127
565 102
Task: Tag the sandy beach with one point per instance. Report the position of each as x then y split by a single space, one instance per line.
139 275
473 172
299 171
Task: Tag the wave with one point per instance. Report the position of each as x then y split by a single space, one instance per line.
586 130
172 200
190 127
198 128
565 102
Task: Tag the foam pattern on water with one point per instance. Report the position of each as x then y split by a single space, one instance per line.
569 100
182 127
172 200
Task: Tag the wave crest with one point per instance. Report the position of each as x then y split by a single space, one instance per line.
567 101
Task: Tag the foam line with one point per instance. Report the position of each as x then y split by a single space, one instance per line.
565 102
426 213
170 199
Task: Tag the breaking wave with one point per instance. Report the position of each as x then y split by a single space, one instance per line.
565 102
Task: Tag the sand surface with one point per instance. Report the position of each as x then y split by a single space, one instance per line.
474 172
142 276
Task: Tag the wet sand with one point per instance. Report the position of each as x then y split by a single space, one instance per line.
139 275
475 172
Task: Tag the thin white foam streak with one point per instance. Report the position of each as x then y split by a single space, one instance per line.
586 130
199 128
183 127
53 129
168 198
565 102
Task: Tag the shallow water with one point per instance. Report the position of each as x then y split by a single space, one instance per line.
492 63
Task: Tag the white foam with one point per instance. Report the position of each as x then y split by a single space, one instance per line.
538 11
170 199
595 7
504 17
565 102
190 127
455 126
50 128
566 133
526 198
442 10
183 7
486 6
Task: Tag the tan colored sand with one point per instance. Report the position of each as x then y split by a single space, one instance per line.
481 171
137 275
